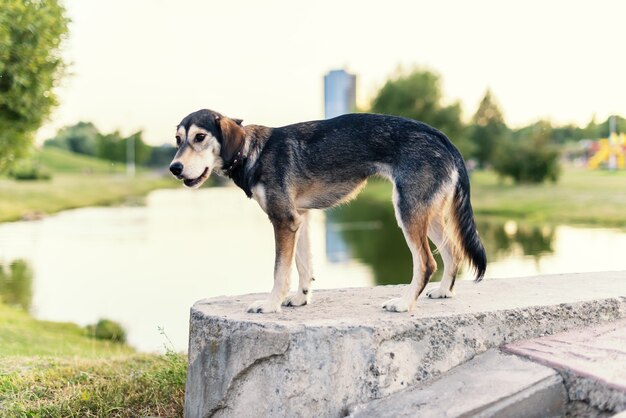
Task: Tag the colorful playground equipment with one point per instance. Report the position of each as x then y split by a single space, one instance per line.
610 152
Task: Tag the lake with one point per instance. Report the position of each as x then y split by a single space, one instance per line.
144 266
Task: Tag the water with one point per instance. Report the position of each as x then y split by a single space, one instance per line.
145 266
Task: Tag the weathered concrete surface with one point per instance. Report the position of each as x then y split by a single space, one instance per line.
492 384
343 349
592 361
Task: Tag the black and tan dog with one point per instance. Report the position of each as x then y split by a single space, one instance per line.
319 164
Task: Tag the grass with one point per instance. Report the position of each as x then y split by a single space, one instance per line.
61 161
24 199
78 181
23 335
50 369
580 197
125 386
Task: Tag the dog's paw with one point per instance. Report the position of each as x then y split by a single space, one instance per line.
299 299
439 293
397 305
263 306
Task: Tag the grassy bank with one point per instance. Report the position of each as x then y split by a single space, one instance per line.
580 197
24 199
51 369
68 374
23 335
77 181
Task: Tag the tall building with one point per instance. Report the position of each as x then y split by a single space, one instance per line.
339 93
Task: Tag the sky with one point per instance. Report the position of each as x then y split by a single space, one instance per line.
145 64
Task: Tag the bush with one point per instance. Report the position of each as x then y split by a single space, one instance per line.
527 162
106 329
28 170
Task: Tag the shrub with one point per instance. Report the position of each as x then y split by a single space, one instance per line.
105 329
27 170
526 163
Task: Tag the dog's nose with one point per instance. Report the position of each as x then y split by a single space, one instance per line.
176 169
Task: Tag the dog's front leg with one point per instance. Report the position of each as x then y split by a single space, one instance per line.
304 265
285 231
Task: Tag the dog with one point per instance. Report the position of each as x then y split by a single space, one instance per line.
319 164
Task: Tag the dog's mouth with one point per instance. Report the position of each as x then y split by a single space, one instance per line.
197 181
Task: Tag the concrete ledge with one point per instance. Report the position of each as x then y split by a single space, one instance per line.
342 350
490 385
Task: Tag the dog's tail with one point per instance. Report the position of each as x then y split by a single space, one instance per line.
463 221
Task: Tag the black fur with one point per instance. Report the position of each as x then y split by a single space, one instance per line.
347 150
472 245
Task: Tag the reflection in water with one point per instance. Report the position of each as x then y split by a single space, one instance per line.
503 239
384 248
16 284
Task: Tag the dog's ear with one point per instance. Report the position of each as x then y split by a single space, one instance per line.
233 136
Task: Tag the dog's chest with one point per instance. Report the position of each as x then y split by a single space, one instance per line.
258 194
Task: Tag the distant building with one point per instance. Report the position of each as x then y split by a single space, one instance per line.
339 93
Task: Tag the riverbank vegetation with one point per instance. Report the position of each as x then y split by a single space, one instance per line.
76 181
51 369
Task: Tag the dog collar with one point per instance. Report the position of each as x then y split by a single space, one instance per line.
236 162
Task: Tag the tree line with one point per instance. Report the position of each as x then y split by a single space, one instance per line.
527 155
84 138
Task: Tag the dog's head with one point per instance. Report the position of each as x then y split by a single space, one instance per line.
206 141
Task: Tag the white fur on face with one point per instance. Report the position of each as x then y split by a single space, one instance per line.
199 159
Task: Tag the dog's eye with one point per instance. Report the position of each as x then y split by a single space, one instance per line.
200 137
178 141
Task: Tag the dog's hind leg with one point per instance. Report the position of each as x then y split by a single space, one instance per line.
304 265
413 217
285 233
450 255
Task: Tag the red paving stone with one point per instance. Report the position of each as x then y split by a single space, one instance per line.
597 352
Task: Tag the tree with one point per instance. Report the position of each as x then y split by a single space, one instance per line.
161 156
529 157
417 95
113 147
487 131
31 32
80 138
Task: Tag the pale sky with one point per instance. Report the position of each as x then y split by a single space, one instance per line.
145 64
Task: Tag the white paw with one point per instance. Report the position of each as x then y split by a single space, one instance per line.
263 306
439 293
397 305
299 299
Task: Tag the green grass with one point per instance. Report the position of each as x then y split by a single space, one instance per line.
61 161
50 369
135 385
580 197
77 181
22 199
23 335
